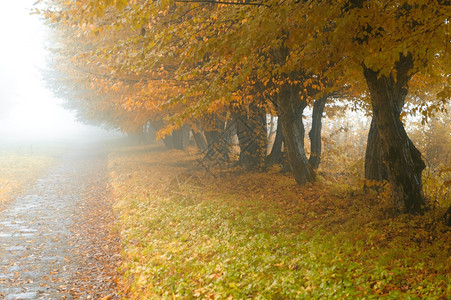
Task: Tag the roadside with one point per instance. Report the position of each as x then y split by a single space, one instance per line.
17 171
239 234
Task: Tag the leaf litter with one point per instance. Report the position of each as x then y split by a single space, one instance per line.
57 238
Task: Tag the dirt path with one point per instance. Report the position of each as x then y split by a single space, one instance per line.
55 241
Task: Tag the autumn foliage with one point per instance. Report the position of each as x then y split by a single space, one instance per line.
349 97
222 69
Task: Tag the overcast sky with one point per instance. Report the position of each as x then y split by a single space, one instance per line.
27 109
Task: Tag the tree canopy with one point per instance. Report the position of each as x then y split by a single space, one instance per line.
174 62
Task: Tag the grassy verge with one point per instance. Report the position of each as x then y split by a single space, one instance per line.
18 169
250 235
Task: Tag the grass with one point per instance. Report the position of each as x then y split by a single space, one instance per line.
19 168
187 234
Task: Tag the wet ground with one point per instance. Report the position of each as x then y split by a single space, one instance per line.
56 240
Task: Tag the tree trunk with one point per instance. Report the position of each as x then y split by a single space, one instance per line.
291 107
200 140
402 159
168 141
447 217
199 137
216 140
315 132
258 123
251 131
151 133
374 166
276 155
181 137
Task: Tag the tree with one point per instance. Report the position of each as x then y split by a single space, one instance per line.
374 167
401 157
315 132
390 42
276 155
251 130
198 57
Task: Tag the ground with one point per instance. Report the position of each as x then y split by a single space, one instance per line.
193 228
144 222
55 239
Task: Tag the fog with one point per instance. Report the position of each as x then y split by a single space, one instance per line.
28 111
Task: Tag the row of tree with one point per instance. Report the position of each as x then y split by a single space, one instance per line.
219 68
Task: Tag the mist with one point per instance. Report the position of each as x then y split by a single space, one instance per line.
29 113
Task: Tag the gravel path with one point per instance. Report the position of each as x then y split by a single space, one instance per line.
56 240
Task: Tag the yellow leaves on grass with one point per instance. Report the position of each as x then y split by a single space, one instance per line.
247 234
17 171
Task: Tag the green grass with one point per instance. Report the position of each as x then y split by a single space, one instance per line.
250 235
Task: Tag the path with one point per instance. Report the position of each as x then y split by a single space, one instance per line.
55 241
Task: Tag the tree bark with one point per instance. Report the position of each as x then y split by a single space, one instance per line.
447 217
276 155
402 159
315 132
258 123
291 107
216 140
200 141
181 137
199 137
252 136
374 166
